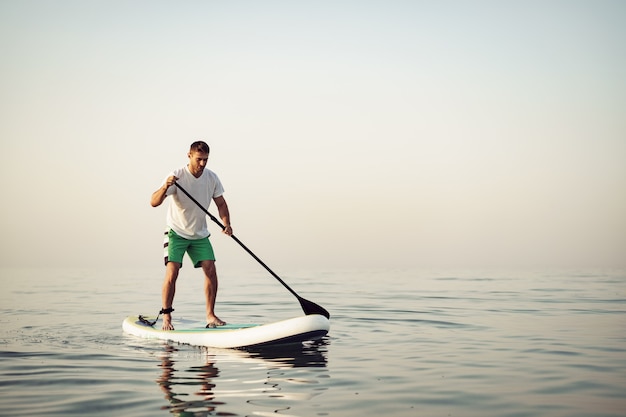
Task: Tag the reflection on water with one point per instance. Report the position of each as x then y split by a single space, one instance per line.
312 354
211 386
200 378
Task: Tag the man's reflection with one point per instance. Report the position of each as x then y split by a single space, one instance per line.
171 379
191 391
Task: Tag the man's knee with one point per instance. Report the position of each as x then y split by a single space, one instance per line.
208 267
171 271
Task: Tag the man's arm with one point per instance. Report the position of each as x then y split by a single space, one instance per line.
159 195
222 209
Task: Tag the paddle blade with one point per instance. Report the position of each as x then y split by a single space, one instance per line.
310 307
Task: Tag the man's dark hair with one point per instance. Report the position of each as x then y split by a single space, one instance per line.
199 146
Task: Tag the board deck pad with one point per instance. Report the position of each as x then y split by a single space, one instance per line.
189 326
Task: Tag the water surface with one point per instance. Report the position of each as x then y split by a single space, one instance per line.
402 343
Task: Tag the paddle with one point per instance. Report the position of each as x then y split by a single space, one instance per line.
308 307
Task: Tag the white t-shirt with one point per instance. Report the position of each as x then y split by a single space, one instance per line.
183 215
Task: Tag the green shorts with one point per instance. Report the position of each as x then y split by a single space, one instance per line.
174 247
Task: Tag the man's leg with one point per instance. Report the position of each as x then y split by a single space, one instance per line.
210 291
169 289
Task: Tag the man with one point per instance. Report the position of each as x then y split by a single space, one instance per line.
187 228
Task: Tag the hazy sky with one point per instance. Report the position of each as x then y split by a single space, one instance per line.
346 133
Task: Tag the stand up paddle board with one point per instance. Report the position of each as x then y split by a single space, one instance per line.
295 330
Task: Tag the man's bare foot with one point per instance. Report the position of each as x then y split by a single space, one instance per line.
167 322
214 321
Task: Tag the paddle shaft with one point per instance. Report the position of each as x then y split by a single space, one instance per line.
308 307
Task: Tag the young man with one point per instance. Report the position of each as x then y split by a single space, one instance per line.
187 228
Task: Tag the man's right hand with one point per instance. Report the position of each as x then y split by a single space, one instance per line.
159 195
170 181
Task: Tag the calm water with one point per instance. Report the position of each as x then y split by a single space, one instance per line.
402 343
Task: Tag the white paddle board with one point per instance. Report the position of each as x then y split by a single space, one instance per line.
295 330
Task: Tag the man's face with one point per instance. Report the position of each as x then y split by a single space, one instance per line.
197 162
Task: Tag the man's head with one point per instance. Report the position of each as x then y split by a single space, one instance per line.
199 146
198 157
